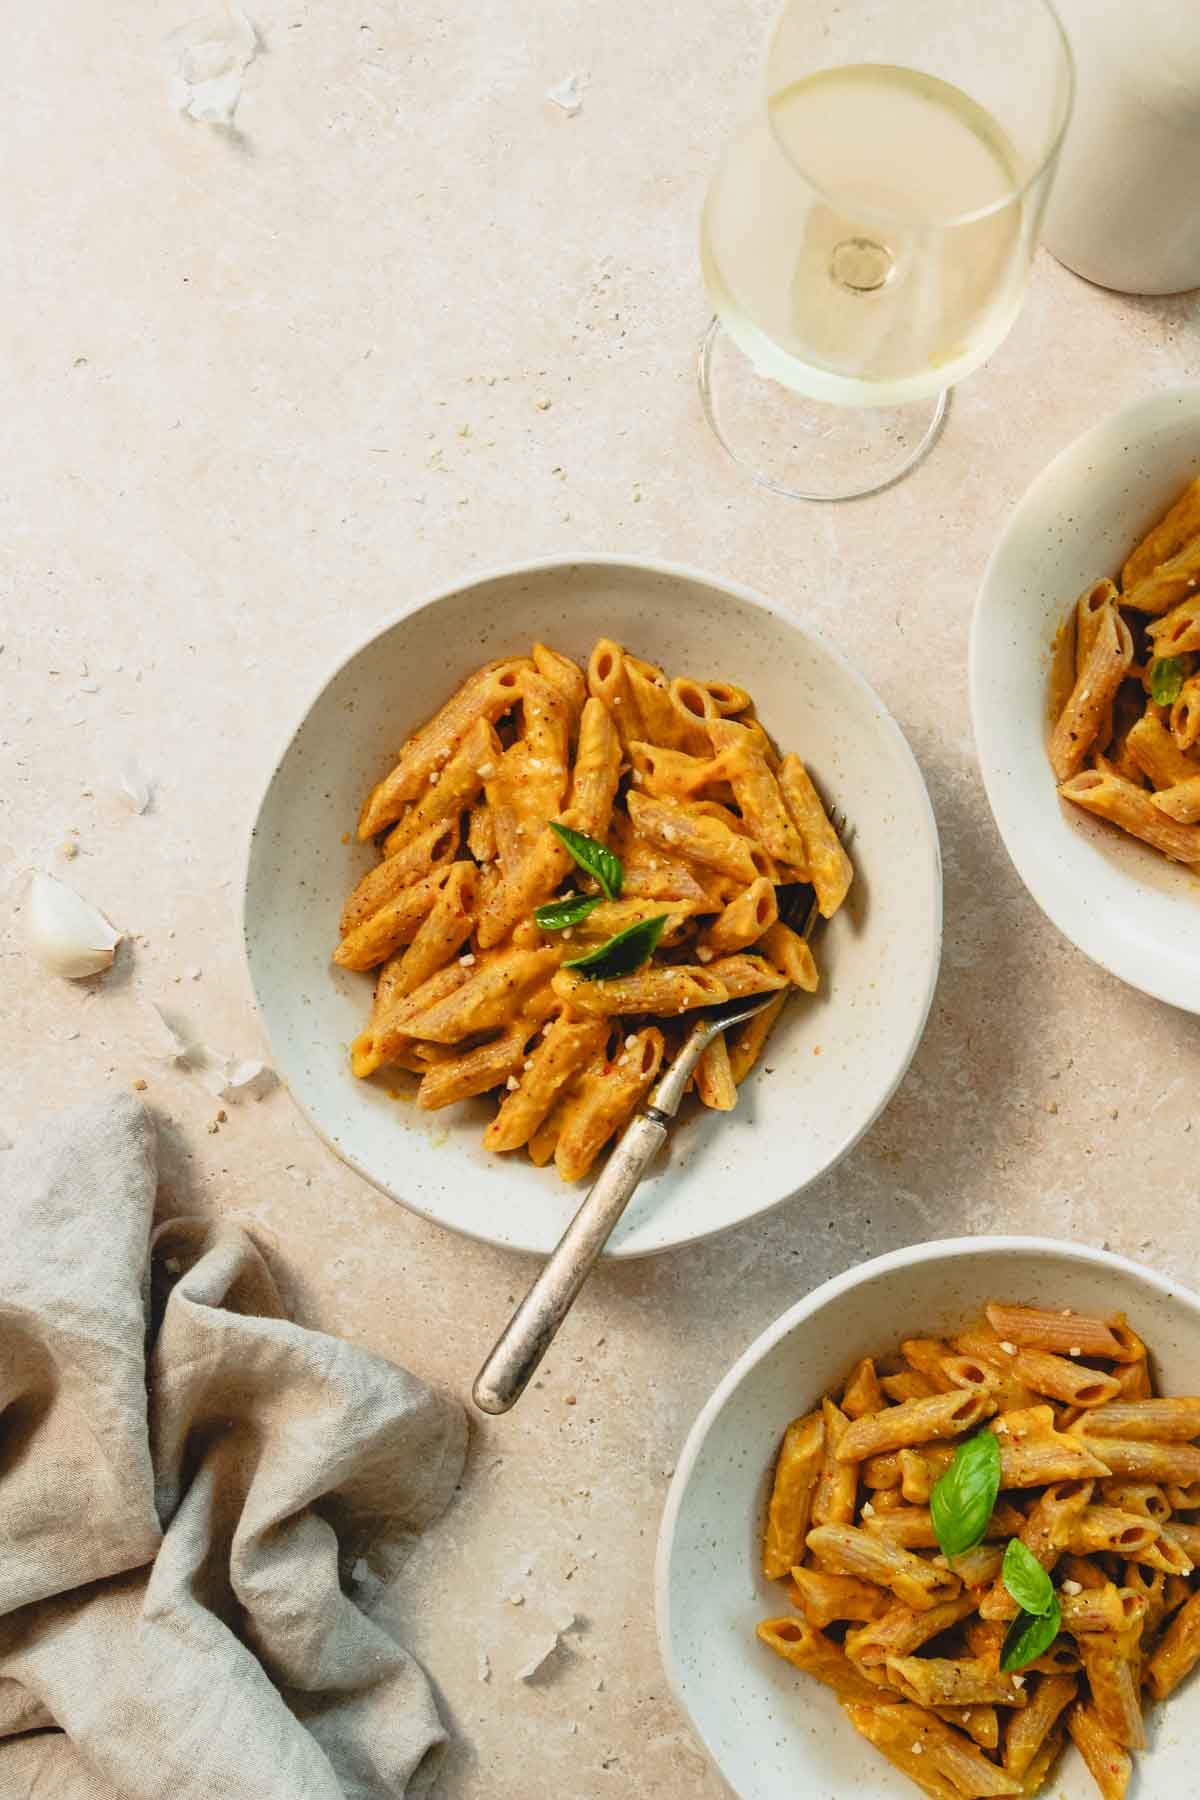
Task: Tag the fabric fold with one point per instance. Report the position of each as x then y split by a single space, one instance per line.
186 1477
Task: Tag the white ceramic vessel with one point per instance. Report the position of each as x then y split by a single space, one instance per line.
1123 904
774 1733
835 1061
1124 210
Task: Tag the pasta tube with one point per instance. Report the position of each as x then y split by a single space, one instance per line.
449 789
714 1078
903 1628
567 677
791 955
489 693
1167 585
806 1648
1110 1766
1175 529
862 1393
830 869
443 931
1181 802
915 1422
391 925
744 920
789 1510
1033 1453
825 1599
563 1050
845 1550
758 796
1105 794
750 1039
954 1681
837 1484
659 988
1091 698
1174 1420
696 836
432 848
1178 1653
497 988
1156 753
598 1104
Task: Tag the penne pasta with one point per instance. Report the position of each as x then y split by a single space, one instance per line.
1029 1728
391 925
806 1648
1181 802
1185 716
1144 1461
829 1599
1071 1382
1110 1766
488 694
954 1681
1109 797
426 852
915 1422
1178 1653
1079 725
566 1046
1064 1333
790 954
749 1040
1156 753
837 1484
902 1629
789 1510
846 1550
1174 1420
829 867
512 840
601 1100
1175 529
1046 1534
714 1078
1164 588
862 1393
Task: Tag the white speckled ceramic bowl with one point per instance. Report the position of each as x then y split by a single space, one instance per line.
1120 902
774 1733
835 1061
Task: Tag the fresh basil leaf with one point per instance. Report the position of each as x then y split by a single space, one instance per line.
1026 1580
1166 679
556 915
1028 1636
622 954
962 1499
593 857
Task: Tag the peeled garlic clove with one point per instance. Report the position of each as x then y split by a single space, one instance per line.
66 933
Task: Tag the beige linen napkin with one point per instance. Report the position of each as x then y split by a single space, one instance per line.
184 1485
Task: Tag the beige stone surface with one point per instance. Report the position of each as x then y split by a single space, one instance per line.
260 388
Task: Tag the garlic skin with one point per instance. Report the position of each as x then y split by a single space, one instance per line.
65 932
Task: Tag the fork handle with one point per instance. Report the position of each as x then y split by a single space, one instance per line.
533 1327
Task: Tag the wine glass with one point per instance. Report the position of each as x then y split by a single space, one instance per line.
867 238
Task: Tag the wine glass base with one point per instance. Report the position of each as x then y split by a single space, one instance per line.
808 449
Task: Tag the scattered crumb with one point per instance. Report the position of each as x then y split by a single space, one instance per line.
570 1399
1075 1350
1072 1587
868 1511
1051 1106
213 1127
1018 1681
468 960
139 1086
345 837
631 1042
1114 1112
516 1598
565 95
1008 1349
816 1049
222 1116
512 1084
918 1749
484 1666
573 1728
543 405
69 849
435 775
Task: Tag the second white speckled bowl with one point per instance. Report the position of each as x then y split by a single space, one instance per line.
774 1733
835 1061
1123 904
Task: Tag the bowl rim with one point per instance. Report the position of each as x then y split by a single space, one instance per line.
675 571
1029 867
936 1250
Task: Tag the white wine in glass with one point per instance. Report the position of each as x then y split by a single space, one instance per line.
867 238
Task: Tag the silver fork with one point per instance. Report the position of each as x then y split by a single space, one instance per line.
528 1335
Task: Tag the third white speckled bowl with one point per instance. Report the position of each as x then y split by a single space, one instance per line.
774 1733
836 1059
1123 904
